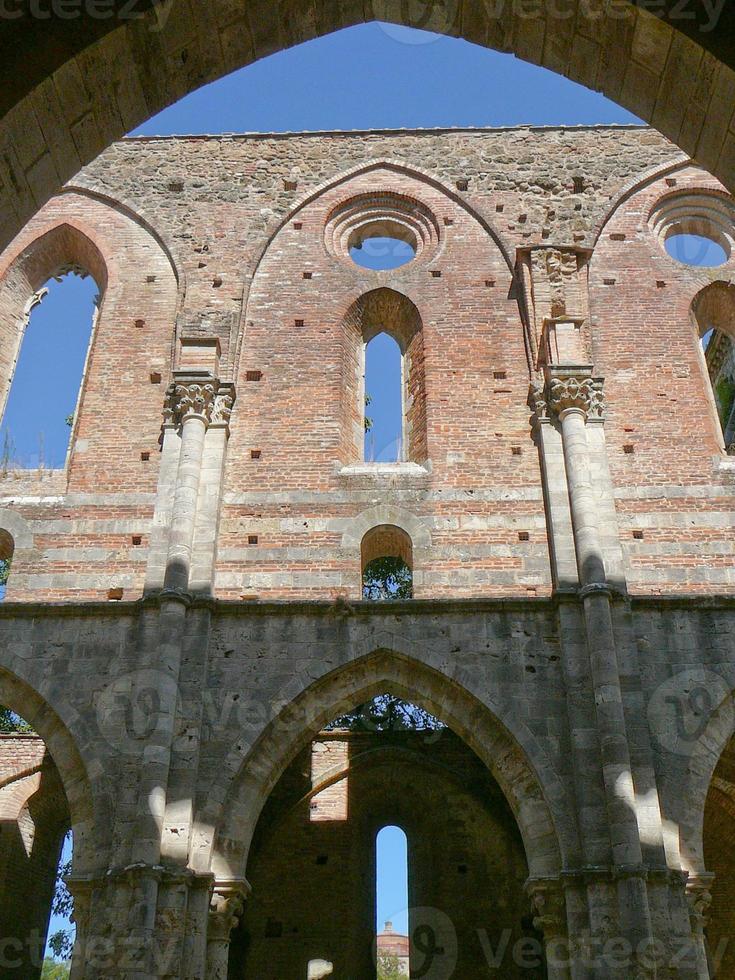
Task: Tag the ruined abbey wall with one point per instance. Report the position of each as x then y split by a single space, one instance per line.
200 238
184 610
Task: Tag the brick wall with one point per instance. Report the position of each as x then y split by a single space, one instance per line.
238 239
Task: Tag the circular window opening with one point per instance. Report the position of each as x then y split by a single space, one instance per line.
379 252
693 249
381 231
383 244
695 228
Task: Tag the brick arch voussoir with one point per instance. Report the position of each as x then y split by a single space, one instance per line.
64 735
132 211
62 239
526 776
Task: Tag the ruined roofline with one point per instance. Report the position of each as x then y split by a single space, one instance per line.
417 131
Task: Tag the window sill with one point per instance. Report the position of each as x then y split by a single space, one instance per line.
386 469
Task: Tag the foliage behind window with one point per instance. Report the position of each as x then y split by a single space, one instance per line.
12 724
387 713
387 578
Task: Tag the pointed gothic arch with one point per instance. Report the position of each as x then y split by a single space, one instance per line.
505 747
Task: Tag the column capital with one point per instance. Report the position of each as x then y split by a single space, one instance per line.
699 898
224 401
198 394
190 395
537 402
574 389
226 907
549 905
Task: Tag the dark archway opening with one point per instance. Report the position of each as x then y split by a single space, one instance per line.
314 867
35 855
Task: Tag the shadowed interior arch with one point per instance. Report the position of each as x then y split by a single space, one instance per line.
256 770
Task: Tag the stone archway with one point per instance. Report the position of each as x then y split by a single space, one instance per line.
61 744
85 81
45 791
529 785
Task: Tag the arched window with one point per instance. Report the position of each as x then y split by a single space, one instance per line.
387 564
384 409
35 849
714 312
391 903
384 391
41 406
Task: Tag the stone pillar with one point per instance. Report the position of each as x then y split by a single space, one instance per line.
226 907
201 579
159 536
189 403
572 395
549 904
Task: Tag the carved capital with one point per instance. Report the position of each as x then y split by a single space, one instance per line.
188 398
565 393
699 898
226 907
537 401
223 403
574 388
199 396
549 905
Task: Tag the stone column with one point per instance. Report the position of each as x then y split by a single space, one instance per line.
225 910
572 395
201 579
190 399
548 900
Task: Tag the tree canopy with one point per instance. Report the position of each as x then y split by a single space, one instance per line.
387 578
387 713
389 967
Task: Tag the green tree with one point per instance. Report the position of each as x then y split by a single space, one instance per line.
10 723
387 713
386 579
52 970
389 967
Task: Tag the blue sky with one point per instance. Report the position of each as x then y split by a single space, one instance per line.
46 383
373 76
382 76
391 872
